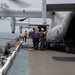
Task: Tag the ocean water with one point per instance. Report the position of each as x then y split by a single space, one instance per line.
6 37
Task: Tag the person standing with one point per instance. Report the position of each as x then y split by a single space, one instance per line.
33 37
42 39
7 47
36 39
25 36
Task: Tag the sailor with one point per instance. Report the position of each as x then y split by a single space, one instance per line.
33 37
7 47
25 36
36 38
42 39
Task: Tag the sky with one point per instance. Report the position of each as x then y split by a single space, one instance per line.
26 4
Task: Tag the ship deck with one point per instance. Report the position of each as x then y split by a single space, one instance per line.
36 62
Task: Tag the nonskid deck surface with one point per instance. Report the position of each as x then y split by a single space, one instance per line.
37 62
27 44
20 64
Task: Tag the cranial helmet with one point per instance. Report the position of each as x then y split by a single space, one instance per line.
37 29
42 29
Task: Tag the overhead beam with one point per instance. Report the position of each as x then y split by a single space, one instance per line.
26 24
44 11
60 7
22 13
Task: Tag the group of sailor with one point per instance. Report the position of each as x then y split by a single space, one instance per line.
38 38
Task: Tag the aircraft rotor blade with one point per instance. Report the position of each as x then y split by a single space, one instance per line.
4 5
20 3
23 19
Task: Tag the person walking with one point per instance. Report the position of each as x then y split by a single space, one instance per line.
25 36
